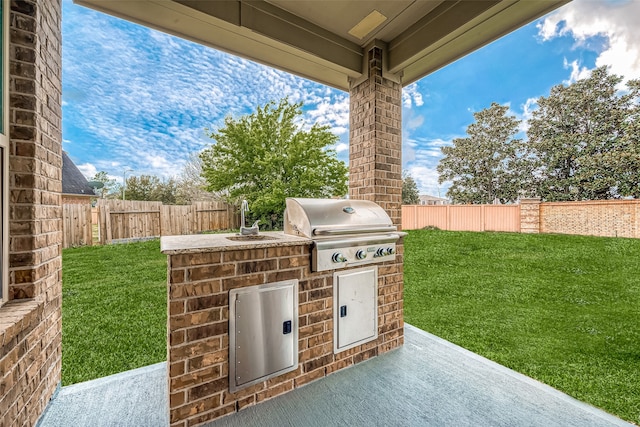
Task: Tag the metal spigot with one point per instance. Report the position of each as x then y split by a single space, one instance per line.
247 231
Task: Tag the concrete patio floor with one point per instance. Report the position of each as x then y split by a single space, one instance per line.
428 382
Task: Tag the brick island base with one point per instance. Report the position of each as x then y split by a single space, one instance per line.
201 272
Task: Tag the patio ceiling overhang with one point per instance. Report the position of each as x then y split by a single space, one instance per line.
326 40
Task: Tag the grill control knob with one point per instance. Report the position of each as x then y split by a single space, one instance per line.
389 251
379 252
361 254
338 257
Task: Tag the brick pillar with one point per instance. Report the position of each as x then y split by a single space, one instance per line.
375 173
530 215
30 324
375 148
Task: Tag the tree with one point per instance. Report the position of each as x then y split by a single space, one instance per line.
109 185
151 188
410 195
627 167
489 164
268 155
191 185
584 138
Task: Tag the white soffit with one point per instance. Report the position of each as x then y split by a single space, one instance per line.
312 38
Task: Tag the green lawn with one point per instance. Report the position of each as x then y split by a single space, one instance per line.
113 309
561 309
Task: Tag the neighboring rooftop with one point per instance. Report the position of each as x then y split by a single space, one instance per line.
425 199
73 182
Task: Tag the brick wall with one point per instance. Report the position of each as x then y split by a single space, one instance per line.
198 341
70 199
609 218
613 218
199 284
530 215
375 140
30 324
375 168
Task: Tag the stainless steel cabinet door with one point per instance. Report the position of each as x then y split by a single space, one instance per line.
263 332
355 307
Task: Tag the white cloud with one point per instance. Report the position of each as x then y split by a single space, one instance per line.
523 114
530 105
88 170
411 96
426 178
330 111
425 156
589 22
577 72
342 147
143 98
415 122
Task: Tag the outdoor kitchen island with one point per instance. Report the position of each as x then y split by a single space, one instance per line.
204 271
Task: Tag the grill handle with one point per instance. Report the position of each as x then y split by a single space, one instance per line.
353 230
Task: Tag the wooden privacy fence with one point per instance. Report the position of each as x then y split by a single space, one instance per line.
130 219
76 225
462 217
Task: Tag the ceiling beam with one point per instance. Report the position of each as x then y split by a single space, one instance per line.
263 32
277 24
426 46
432 28
313 54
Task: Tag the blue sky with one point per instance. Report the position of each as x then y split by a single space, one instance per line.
135 98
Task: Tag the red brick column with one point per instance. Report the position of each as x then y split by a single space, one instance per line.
30 324
375 147
375 173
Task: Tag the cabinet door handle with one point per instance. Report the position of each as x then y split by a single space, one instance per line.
286 327
343 311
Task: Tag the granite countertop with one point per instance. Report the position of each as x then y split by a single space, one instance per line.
173 245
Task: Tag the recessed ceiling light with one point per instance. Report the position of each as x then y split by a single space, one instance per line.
368 24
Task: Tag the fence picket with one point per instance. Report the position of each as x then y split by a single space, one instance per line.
129 219
77 225
462 217
117 219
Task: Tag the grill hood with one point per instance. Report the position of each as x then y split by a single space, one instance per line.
324 218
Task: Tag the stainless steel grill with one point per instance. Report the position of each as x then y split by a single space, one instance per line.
345 232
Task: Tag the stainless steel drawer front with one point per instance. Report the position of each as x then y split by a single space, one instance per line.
263 332
355 307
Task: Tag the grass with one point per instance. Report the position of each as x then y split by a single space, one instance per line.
113 309
561 309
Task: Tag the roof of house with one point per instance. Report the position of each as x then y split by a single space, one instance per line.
73 182
425 197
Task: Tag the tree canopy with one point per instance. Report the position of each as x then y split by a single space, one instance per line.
583 143
269 155
410 194
151 188
109 185
584 140
191 185
486 165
